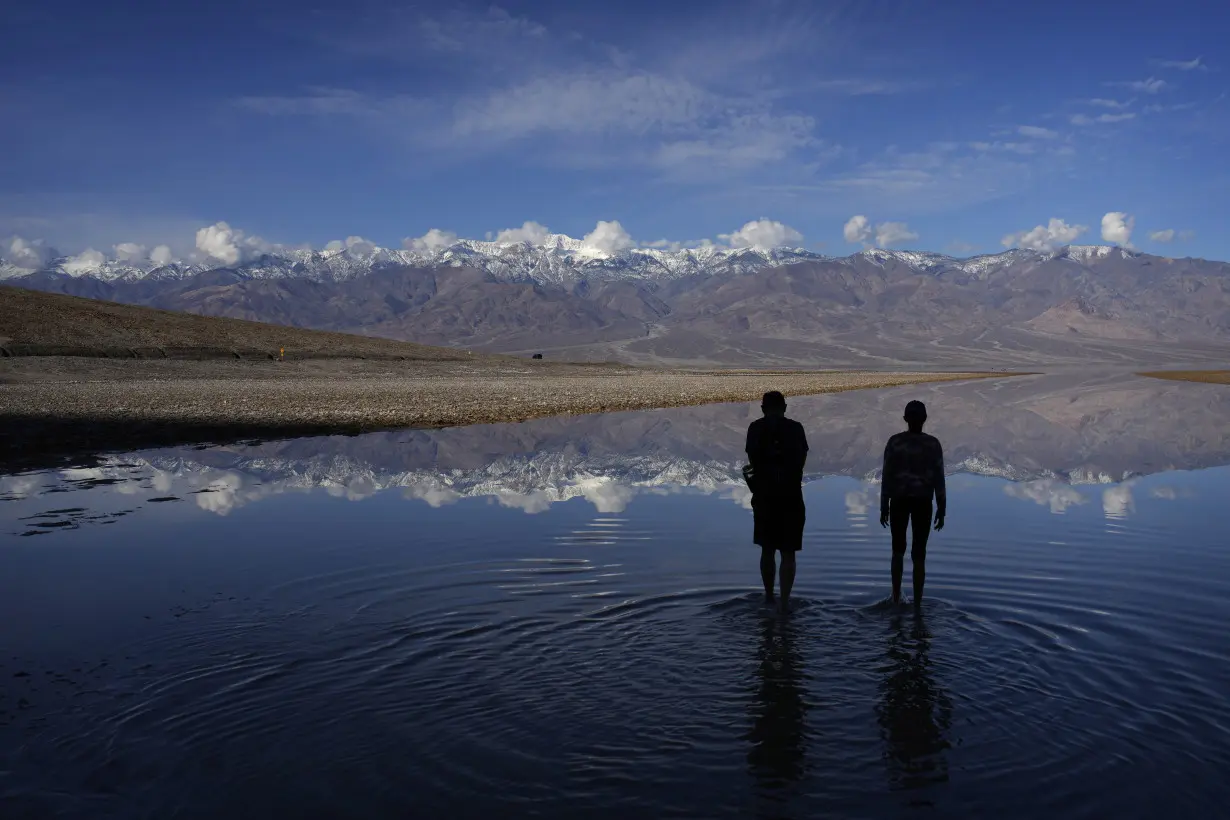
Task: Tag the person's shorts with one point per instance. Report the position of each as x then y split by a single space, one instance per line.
778 522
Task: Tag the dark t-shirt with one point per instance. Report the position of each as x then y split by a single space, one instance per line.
777 450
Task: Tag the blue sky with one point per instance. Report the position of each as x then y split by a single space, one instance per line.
947 125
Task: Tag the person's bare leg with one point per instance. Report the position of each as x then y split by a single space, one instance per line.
921 526
920 578
768 568
788 570
899 520
898 571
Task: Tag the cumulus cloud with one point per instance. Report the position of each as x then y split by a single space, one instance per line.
434 241
1037 132
531 232
1055 495
161 255
893 233
607 495
28 255
1163 236
87 261
1117 227
1054 234
353 244
664 245
130 252
857 229
608 237
762 233
229 245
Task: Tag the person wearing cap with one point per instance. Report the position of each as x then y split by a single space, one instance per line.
913 476
777 449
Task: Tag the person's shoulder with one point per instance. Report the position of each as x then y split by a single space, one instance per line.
931 440
895 439
795 425
755 425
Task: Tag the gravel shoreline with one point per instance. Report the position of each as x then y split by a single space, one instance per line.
64 407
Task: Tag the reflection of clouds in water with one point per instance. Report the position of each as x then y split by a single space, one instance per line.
1117 502
859 501
1047 492
607 495
356 489
1167 493
432 491
19 486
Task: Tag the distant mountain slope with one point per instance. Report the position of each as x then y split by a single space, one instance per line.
32 322
714 305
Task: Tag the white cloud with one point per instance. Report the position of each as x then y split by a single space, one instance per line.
161 255
1166 493
762 233
130 252
1105 103
1117 227
353 244
1048 493
1163 236
1117 502
87 261
531 232
434 241
893 233
229 245
664 245
608 237
1056 233
1084 119
607 495
27 255
1149 86
1037 132
1184 65
857 229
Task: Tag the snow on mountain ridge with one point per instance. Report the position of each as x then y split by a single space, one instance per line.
560 259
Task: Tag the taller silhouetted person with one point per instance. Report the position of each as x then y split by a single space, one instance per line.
913 475
777 450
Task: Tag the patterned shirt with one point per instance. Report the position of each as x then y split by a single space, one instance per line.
914 468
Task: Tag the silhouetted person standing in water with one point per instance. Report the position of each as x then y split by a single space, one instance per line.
913 474
777 449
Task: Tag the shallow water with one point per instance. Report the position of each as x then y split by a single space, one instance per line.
561 618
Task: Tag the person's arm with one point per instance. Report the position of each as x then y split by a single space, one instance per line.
802 450
886 482
751 446
941 493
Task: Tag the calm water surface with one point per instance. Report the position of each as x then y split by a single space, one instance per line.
560 619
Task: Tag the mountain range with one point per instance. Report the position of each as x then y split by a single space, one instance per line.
710 304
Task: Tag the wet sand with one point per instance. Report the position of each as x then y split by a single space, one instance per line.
60 406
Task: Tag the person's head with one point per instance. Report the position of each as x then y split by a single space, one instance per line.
915 414
773 404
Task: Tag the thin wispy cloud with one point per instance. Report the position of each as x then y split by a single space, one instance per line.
1084 119
1183 65
1150 86
1037 132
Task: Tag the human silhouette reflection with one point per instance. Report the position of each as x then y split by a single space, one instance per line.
915 713
777 758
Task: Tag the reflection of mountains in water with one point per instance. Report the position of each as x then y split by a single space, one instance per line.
1044 433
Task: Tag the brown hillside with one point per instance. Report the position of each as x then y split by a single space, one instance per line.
34 323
